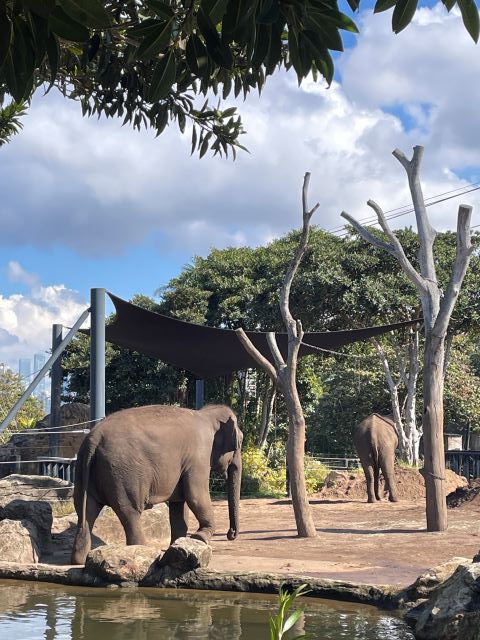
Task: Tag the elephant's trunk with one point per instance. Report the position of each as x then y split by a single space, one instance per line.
234 481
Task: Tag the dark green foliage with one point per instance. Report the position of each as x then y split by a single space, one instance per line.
342 284
10 122
146 61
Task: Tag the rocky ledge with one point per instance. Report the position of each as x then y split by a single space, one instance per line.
184 566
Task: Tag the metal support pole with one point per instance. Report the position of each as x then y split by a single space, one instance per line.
56 392
36 381
199 394
97 355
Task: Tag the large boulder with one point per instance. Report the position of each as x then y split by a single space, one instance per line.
37 512
119 563
187 554
19 541
183 556
425 585
155 525
453 611
35 487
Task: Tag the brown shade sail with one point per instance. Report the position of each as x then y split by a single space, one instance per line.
206 351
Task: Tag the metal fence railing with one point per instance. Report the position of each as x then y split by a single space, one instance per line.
465 463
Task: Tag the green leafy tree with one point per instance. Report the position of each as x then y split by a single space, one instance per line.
11 388
144 61
132 379
10 123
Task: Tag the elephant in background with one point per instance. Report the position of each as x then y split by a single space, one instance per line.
375 440
139 457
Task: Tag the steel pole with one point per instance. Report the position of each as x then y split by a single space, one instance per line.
55 391
199 394
97 354
36 381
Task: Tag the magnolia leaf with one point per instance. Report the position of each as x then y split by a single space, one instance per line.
163 78
90 13
53 55
65 27
337 18
144 28
39 29
162 10
41 8
217 49
449 4
156 41
469 12
214 9
6 32
384 5
270 12
403 14
328 33
196 54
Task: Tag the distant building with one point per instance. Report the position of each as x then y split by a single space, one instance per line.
41 392
25 370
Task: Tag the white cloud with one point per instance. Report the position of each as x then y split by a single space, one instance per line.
26 320
97 187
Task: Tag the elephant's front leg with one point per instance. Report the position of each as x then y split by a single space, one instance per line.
178 516
197 494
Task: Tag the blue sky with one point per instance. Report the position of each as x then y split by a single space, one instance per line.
88 203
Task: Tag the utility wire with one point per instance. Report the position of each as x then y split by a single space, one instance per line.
372 221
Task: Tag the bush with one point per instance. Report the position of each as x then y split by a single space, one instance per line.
315 474
267 477
258 477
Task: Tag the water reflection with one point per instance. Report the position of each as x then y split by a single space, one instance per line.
32 611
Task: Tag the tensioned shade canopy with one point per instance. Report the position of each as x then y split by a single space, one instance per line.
206 351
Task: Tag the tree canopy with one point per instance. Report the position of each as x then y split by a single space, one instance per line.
145 61
342 284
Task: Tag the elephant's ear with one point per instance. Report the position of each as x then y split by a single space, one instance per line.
232 436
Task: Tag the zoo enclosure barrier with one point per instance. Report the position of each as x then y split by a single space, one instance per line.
465 463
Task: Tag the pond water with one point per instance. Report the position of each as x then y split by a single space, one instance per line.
37 611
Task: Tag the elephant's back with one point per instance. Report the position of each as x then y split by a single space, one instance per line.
374 428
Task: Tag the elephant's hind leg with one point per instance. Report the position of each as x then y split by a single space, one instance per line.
376 481
83 538
130 519
369 477
177 512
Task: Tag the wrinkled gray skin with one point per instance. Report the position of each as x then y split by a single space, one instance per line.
375 440
142 456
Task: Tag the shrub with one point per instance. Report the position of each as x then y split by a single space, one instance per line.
315 474
258 477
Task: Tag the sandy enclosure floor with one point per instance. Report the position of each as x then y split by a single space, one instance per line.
382 543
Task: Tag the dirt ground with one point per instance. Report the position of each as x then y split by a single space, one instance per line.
382 543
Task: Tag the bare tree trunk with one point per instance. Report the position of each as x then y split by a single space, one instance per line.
267 409
394 400
413 432
283 375
437 310
434 449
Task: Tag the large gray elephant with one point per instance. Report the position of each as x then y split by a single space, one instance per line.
142 456
375 440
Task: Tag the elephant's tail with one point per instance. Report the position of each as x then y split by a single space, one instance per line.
85 465
85 458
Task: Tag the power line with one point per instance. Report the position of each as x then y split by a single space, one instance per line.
373 220
409 206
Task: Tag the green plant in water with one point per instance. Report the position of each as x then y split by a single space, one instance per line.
283 622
